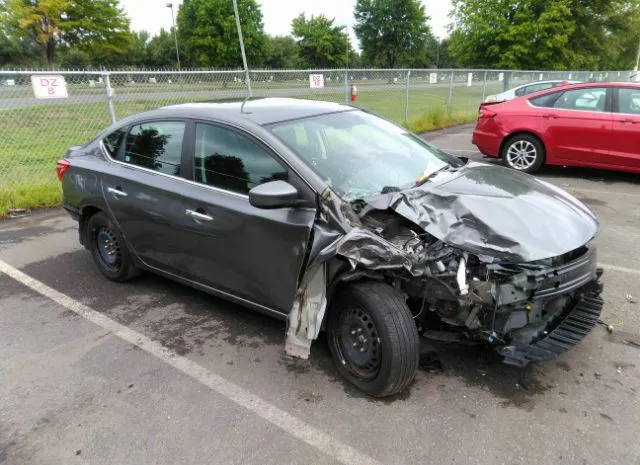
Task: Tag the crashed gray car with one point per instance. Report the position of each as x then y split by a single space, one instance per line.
335 219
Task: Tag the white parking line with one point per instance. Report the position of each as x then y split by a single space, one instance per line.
621 269
290 424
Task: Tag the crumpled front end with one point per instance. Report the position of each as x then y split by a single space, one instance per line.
531 311
482 255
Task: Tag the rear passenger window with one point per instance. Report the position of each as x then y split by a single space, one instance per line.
545 101
232 161
113 141
156 146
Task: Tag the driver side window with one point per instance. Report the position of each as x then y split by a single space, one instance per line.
232 161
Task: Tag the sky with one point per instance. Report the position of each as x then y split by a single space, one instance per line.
151 15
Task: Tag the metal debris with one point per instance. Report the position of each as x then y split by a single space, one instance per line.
609 327
631 299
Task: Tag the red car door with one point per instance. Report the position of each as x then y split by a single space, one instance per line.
626 128
578 127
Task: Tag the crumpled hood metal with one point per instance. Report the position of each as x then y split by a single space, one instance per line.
496 212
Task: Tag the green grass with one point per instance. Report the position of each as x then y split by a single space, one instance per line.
33 138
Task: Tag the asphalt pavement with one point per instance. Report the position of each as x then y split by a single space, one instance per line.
152 372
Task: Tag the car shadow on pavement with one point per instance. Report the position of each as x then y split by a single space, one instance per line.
189 321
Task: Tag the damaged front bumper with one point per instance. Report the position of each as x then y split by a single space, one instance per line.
569 330
573 290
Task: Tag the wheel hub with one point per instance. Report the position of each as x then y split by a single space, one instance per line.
359 342
522 154
108 247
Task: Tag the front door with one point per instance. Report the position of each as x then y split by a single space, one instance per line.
253 253
626 128
579 126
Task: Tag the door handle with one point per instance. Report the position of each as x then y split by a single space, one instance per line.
117 192
549 116
626 121
198 216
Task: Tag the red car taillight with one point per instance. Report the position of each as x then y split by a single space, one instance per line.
61 167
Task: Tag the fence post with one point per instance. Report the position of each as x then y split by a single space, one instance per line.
346 87
109 92
406 98
449 103
484 88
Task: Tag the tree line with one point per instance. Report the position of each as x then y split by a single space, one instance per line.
505 34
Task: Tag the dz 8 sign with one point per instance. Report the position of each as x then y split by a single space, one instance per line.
49 86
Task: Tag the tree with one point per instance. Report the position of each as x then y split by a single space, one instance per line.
320 43
546 34
208 34
138 55
161 50
282 53
439 50
82 23
391 31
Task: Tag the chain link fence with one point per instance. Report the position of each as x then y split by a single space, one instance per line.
34 132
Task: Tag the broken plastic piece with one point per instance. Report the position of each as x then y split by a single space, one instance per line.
305 318
462 275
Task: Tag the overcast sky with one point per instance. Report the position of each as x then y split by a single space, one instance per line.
151 15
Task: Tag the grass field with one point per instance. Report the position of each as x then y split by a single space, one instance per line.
33 138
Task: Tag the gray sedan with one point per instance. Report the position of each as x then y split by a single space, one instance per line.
335 219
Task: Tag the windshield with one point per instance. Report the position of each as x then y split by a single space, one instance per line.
359 154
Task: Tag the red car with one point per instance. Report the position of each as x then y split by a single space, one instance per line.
594 124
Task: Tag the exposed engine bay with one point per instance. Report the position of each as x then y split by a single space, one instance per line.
455 295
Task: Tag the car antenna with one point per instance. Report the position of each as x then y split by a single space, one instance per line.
242 106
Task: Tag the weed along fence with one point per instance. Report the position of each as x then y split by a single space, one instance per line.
42 113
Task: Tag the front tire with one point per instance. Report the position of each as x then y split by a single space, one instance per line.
524 152
373 339
108 249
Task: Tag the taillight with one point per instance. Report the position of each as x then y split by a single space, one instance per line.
61 167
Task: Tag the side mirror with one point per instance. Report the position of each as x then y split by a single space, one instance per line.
273 194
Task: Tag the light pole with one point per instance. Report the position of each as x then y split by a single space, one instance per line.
175 33
635 70
244 57
346 31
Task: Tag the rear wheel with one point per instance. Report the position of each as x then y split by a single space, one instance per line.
524 152
108 249
373 338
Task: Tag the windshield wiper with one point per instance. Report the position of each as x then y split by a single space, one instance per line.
424 179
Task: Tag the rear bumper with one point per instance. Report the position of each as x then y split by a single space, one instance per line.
72 211
487 142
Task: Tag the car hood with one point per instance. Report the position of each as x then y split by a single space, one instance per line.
496 213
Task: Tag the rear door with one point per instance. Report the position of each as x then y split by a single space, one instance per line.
142 189
252 253
578 126
626 127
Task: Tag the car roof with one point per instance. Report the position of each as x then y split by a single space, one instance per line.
569 81
582 85
260 111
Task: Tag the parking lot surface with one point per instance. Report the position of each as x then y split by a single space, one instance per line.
152 372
